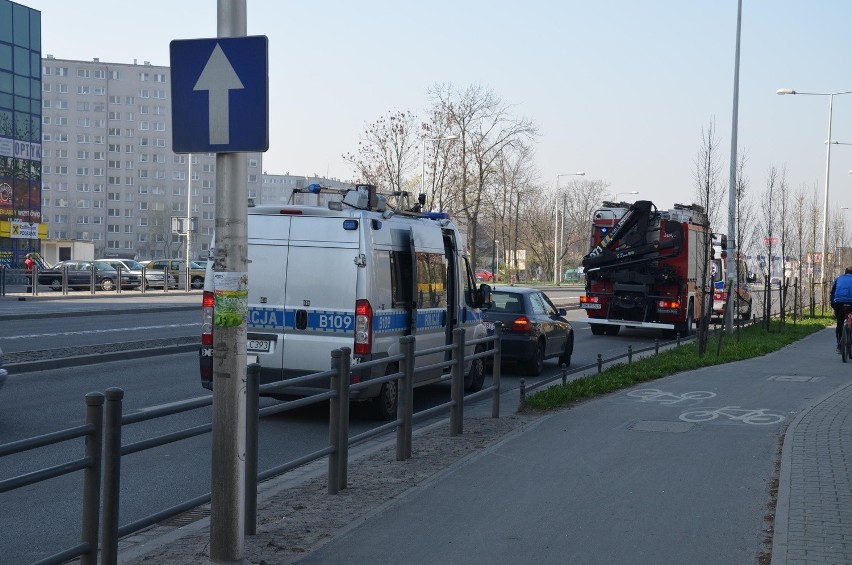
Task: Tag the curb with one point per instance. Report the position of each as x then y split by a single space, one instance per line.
94 358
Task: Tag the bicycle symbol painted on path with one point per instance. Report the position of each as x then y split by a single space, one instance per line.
661 397
759 416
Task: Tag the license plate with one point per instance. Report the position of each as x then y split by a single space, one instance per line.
489 326
259 345
590 306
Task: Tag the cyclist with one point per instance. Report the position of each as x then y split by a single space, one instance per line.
841 294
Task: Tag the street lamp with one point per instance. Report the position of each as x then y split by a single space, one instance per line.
556 224
631 192
831 95
423 158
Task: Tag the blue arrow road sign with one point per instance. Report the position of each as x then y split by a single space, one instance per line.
220 94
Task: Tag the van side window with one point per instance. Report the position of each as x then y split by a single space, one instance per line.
431 280
401 282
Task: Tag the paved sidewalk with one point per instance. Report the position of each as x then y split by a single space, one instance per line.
813 522
679 471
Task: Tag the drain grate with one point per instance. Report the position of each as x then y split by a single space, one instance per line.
794 379
661 426
186 518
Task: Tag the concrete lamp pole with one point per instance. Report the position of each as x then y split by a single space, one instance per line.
831 95
556 224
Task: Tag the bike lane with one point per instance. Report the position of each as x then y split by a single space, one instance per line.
672 471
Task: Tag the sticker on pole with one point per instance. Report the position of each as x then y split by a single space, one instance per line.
230 292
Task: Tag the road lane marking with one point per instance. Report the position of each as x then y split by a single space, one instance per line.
100 331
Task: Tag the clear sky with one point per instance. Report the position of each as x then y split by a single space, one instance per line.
619 89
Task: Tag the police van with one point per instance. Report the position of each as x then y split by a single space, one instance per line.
354 273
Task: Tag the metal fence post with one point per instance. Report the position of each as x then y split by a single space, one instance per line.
496 368
405 406
564 368
457 389
600 363
3 280
118 283
92 478
522 391
629 353
677 339
112 475
344 372
656 346
92 278
252 425
334 426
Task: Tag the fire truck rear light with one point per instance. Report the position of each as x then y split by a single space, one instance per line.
590 299
668 304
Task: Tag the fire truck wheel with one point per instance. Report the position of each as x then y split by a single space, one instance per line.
598 329
612 330
536 364
685 329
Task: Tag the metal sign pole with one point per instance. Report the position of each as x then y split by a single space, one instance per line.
227 513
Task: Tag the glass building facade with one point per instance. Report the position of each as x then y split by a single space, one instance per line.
21 224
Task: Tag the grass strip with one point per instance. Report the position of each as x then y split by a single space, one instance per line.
754 341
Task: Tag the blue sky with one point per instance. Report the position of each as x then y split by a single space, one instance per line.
619 89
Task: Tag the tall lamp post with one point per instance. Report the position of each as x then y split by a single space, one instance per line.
556 224
828 145
423 158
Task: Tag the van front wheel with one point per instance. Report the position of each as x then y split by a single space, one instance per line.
475 378
384 405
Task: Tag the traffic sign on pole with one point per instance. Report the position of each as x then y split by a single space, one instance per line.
220 94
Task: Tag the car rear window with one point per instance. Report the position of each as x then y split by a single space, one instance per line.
505 302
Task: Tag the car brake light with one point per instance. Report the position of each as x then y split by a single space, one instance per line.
521 325
363 327
207 318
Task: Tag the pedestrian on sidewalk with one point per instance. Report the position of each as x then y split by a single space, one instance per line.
29 263
841 295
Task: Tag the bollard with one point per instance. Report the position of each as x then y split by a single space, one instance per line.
600 363
334 425
564 373
496 368
629 354
252 425
656 346
92 478
522 389
404 407
112 475
343 418
677 339
457 387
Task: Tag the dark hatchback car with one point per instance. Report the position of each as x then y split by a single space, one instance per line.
532 329
80 276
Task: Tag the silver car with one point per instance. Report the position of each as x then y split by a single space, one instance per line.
153 277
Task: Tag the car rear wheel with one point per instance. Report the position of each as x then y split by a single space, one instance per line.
56 284
536 364
197 283
384 405
565 358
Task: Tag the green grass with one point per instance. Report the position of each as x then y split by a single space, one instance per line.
754 342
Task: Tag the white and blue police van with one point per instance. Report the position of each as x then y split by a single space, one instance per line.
353 273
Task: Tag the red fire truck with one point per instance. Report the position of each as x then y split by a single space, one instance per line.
644 267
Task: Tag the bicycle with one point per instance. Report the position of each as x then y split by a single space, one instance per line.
846 334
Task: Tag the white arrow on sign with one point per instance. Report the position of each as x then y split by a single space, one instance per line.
217 78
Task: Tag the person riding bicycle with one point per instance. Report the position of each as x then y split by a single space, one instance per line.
841 294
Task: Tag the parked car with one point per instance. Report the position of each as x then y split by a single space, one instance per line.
153 277
80 276
484 275
178 268
531 328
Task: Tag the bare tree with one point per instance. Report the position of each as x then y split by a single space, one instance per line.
770 231
783 209
387 152
581 197
486 128
709 192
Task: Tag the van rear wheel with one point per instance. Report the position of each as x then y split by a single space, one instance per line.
384 405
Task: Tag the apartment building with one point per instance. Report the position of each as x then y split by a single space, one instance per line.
108 171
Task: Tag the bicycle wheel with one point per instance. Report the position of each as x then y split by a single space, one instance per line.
844 343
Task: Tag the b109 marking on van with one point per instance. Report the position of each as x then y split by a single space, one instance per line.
331 321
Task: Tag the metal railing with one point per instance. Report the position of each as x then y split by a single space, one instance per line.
20 281
106 421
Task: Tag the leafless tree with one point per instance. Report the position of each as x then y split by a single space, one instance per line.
709 192
387 152
486 128
580 198
768 223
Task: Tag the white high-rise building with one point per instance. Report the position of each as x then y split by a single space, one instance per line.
108 171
